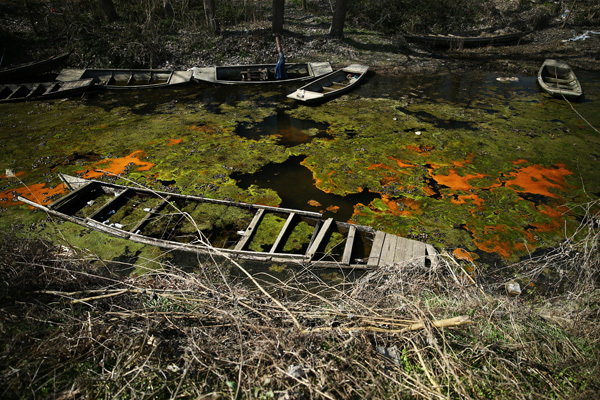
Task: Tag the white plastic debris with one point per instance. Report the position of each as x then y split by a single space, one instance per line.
119 226
513 288
91 203
417 133
147 209
583 36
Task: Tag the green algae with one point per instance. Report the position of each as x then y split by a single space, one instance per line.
448 171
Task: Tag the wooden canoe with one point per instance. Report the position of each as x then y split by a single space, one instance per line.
13 92
451 41
331 85
260 73
238 230
128 78
558 79
32 69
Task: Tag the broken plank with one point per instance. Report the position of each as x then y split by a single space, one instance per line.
111 203
149 214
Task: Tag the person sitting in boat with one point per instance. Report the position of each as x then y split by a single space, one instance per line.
280 67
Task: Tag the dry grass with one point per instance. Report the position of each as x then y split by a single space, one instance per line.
72 329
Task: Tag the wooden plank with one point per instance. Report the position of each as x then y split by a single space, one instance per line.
149 214
419 252
250 229
69 197
282 232
349 244
403 250
109 204
389 250
315 245
432 255
375 253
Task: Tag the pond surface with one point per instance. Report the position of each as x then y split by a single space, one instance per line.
498 169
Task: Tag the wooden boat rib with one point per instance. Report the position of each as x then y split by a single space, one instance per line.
260 73
13 92
128 78
331 85
238 230
32 69
466 41
558 79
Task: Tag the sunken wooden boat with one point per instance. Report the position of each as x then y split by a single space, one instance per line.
331 85
128 78
238 230
14 92
260 73
32 69
451 41
558 79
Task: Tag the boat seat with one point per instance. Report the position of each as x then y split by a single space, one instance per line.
257 75
556 80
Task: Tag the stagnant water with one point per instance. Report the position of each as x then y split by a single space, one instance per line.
460 160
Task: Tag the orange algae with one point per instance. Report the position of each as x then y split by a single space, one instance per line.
454 181
462 254
423 150
494 244
15 174
314 203
117 165
173 142
333 209
536 179
38 193
462 199
401 207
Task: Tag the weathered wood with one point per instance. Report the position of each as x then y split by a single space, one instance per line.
419 253
375 253
349 244
71 196
389 250
109 204
432 255
386 248
150 213
249 230
317 242
282 232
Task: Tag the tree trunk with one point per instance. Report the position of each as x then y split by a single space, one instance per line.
278 9
304 5
211 16
339 18
109 10
168 7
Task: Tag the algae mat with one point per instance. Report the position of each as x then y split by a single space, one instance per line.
496 168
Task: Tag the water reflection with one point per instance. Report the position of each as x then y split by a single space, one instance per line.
290 131
295 185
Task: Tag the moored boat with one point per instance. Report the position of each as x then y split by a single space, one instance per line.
558 79
331 85
13 92
128 78
452 41
260 73
238 230
32 69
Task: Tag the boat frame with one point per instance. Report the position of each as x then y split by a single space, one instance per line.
258 74
382 248
558 79
451 41
331 85
14 92
128 79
